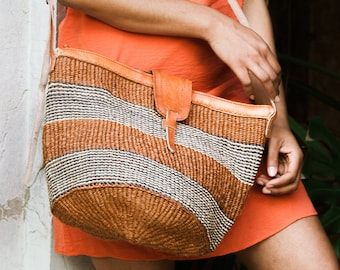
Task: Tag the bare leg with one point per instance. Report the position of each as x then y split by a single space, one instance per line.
303 245
115 264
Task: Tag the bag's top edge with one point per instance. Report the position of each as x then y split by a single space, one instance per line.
108 63
199 98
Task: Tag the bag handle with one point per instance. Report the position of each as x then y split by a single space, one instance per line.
238 12
53 33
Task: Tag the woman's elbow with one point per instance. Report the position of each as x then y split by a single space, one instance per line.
69 2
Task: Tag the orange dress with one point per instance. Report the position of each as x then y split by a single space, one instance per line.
262 216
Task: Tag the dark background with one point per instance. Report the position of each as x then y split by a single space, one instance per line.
310 31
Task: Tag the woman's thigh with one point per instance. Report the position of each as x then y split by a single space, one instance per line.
115 264
302 245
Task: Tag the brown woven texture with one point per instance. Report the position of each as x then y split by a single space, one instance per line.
160 217
137 213
243 129
93 134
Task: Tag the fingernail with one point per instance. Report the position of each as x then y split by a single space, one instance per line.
260 183
266 191
272 171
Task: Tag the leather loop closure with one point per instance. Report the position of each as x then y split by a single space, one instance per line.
170 125
173 102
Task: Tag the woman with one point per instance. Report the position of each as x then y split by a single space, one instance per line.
202 41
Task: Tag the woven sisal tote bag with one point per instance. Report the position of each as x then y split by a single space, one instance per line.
141 157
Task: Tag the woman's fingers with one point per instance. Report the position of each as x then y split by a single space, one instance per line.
264 68
247 54
281 179
284 163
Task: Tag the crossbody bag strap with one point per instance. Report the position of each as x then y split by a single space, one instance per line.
238 12
53 33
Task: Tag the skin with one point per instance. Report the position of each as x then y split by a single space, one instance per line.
250 53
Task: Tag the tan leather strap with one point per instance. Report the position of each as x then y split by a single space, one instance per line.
53 35
238 12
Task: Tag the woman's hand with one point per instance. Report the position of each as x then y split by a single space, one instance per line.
284 162
246 53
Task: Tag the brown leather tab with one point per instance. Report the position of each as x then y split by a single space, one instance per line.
173 101
172 94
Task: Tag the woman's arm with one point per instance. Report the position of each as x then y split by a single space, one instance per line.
159 17
240 48
285 172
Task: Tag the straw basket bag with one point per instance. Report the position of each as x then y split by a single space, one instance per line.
141 157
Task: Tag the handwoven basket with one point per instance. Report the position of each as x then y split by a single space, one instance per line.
109 170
